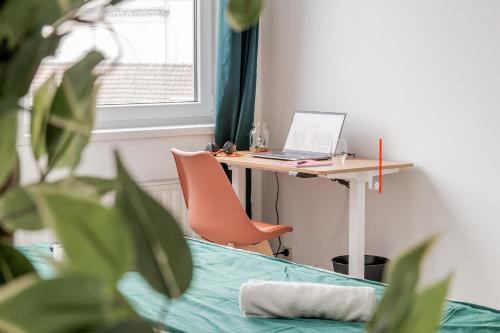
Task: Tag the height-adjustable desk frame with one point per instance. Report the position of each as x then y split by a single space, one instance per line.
361 173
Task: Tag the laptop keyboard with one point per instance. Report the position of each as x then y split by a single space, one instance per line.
298 155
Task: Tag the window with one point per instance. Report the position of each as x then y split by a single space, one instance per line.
158 68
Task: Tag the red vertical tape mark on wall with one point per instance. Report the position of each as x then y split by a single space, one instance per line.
380 165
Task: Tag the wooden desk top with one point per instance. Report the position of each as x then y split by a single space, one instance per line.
350 165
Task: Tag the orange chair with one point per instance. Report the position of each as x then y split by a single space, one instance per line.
214 211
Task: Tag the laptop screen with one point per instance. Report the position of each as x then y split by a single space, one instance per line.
314 131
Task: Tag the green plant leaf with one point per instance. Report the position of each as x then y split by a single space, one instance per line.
18 211
20 18
129 326
400 296
88 186
74 303
94 238
428 309
241 14
24 64
51 11
15 21
8 154
13 264
72 113
163 256
14 179
42 103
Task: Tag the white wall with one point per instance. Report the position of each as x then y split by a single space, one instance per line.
425 76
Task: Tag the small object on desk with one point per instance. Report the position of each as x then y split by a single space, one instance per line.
259 138
338 147
304 163
222 153
212 147
259 149
229 148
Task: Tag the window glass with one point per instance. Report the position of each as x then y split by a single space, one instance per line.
149 47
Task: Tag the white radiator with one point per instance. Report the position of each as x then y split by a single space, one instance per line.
167 192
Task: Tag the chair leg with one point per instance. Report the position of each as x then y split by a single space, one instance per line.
262 248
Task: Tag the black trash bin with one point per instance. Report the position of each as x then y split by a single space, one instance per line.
374 266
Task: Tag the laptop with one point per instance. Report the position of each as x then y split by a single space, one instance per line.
310 136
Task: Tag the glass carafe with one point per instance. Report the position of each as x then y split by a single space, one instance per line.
259 138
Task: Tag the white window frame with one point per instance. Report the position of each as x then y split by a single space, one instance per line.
175 114
132 119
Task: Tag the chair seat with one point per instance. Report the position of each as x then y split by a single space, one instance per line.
272 230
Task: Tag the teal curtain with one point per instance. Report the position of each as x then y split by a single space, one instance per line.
236 73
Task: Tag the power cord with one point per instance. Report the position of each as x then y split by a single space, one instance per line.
277 212
285 252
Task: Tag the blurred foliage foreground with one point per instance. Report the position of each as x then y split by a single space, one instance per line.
103 239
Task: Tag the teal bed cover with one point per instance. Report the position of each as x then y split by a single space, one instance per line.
212 302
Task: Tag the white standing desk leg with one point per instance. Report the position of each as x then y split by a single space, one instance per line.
239 184
357 229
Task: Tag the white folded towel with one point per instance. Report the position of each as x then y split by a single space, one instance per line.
306 300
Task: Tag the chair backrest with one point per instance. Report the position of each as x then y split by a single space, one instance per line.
214 211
